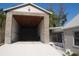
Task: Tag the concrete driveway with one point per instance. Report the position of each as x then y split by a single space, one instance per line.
28 49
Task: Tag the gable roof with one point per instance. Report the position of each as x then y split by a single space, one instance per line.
22 5
73 23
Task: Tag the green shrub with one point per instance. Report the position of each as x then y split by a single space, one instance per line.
68 52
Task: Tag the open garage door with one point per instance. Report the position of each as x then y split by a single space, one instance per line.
36 24
26 28
28 34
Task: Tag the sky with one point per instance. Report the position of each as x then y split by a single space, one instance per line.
72 9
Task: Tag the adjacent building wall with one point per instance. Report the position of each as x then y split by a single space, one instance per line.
69 41
68 38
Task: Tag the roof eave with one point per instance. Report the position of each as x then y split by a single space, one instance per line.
5 10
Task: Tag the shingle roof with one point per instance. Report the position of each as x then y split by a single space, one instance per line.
73 23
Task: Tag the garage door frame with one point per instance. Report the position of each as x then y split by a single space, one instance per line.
44 36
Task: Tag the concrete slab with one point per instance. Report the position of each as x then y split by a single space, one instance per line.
28 49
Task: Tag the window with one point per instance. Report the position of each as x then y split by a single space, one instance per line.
76 38
57 37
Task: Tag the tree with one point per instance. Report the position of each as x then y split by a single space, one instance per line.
2 25
2 17
57 20
53 17
53 20
62 16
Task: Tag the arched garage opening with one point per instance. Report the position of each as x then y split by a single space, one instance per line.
26 28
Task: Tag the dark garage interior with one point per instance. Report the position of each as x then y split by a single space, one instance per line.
27 28
28 34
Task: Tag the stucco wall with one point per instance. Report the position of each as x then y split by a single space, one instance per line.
28 8
14 32
41 30
44 27
69 41
8 28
